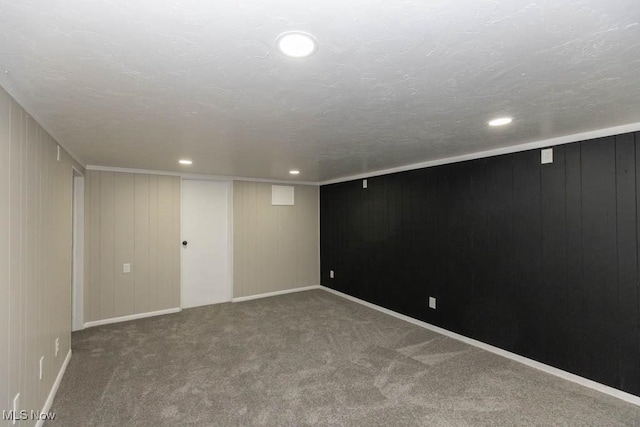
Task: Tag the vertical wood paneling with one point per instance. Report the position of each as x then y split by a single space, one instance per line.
575 285
153 242
327 247
238 243
308 255
49 237
92 271
175 241
62 209
35 255
241 274
16 296
552 293
123 240
251 272
457 261
627 237
497 264
541 260
133 218
599 262
165 237
30 266
106 242
27 230
41 267
24 243
478 320
264 217
528 251
260 221
275 247
284 230
141 272
5 244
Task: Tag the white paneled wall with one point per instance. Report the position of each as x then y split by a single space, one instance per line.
131 219
35 257
276 248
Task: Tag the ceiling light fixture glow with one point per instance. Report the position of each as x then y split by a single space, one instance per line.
185 162
294 172
501 121
296 44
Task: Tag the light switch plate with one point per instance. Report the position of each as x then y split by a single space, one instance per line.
126 268
364 183
432 303
546 156
331 274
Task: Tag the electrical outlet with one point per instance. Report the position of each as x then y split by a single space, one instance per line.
16 406
126 268
432 303
41 365
546 156
331 274
57 346
364 183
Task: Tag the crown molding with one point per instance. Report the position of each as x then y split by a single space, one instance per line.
567 139
198 176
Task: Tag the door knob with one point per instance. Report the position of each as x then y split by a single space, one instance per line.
184 243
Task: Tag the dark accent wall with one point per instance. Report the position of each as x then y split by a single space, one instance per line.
540 260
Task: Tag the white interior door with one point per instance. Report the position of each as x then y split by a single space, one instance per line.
205 237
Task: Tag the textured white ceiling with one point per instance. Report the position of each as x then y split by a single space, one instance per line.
140 84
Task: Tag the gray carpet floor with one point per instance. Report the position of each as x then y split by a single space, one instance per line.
310 358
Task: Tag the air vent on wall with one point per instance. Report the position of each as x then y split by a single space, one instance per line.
282 195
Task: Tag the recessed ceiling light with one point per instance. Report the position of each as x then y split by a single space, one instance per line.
296 44
185 162
294 172
501 121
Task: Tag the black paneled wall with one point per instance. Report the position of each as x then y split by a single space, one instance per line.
540 260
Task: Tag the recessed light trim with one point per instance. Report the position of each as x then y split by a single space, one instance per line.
185 162
294 172
296 44
500 121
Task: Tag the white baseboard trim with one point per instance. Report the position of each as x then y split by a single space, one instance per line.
273 294
627 397
54 388
131 317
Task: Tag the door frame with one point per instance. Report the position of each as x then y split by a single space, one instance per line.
77 271
229 183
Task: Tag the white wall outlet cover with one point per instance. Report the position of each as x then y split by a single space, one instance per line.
546 156
364 183
126 268
432 303
331 274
